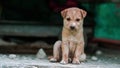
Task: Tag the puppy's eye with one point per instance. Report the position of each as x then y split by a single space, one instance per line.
68 19
77 19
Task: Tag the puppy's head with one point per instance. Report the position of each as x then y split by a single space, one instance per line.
73 18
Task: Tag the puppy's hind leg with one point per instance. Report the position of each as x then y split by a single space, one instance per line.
82 57
56 51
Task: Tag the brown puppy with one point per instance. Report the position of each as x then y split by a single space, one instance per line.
71 48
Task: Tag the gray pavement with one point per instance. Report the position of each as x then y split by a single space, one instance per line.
108 59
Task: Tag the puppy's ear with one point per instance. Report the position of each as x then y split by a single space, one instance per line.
64 12
83 12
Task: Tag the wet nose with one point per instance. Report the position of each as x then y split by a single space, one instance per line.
72 27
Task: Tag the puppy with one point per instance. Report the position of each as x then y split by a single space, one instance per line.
71 48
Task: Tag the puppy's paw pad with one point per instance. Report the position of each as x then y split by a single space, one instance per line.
53 60
63 62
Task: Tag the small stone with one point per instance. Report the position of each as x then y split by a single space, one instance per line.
94 58
98 52
41 54
12 56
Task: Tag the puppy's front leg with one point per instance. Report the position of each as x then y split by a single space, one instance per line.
65 52
78 52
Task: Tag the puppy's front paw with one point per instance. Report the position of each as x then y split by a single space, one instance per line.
53 60
76 61
63 62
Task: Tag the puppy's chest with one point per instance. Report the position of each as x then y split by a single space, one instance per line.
73 39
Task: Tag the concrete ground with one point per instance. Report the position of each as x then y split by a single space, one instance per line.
108 59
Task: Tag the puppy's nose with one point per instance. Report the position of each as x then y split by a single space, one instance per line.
72 27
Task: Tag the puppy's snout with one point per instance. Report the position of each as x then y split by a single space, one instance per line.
72 27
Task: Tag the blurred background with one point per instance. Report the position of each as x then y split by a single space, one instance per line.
28 25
